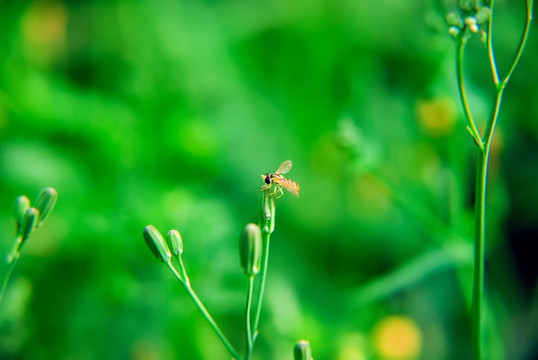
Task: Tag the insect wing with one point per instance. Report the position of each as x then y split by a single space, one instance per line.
284 167
291 186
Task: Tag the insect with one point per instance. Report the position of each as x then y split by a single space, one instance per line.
280 181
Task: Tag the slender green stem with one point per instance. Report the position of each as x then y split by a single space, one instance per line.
250 340
484 149
183 272
479 251
266 240
491 53
529 5
9 264
204 311
460 44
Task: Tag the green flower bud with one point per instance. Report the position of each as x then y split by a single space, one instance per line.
175 242
22 203
467 5
470 21
250 249
45 202
156 244
302 351
29 223
454 19
483 15
454 31
267 212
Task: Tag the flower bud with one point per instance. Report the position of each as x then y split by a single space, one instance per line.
175 242
29 223
470 21
302 351
250 249
22 203
156 244
454 19
483 15
454 31
267 212
44 203
467 5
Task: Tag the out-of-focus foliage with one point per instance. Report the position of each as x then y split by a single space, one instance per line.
167 112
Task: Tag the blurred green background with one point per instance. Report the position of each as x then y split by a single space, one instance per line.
166 112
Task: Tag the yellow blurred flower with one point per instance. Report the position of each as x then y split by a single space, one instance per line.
44 30
437 116
397 337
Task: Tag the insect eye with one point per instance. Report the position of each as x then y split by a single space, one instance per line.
268 178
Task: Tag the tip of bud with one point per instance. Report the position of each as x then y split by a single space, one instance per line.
175 242
267 212
44 203
156 244
22 203
302 351
470 21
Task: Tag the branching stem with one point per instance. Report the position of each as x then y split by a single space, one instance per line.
484 149
206 314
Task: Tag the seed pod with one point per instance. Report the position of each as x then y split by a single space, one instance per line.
302 351
22 203
156 244
175 242
250 249
29 223
44 203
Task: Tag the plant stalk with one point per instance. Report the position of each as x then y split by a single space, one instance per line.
479 251
266 240
9 265
250 340
204 311
471 124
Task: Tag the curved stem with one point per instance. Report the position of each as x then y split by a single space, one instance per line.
204 311
529 5
460 43
491 52
250 341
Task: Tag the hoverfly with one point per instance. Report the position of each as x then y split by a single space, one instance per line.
280 181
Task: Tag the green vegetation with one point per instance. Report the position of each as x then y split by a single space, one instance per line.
166 112
469 20
27 219
254 257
